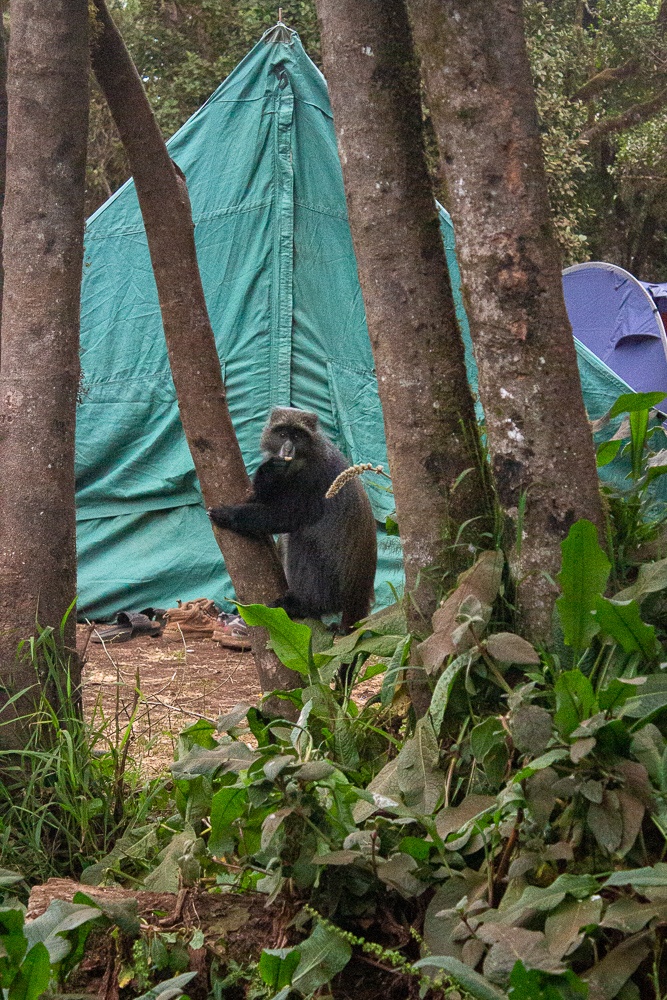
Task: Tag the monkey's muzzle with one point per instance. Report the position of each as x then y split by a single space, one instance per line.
287 451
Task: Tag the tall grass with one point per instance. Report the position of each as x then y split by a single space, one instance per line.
73 790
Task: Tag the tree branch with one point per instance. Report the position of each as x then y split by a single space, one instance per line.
604 79
635 115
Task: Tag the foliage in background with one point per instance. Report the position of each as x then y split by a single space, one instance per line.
183 50
601 77
592 63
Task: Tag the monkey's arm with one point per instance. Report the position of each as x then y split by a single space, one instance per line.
265 519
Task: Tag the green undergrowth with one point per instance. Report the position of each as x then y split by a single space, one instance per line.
511 843
73 791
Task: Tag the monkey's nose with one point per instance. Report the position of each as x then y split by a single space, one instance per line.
287 450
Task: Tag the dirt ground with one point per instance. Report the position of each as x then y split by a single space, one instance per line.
168 686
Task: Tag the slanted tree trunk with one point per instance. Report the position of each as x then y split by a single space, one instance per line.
39 374
253 566
481 98
429 413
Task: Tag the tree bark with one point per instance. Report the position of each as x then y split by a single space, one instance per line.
480 95
429 413
43 251
253 566
3 139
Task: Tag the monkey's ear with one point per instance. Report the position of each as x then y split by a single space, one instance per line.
310 420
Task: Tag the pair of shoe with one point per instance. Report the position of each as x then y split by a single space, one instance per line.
191 620
130 624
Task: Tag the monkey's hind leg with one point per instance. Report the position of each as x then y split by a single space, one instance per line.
295 606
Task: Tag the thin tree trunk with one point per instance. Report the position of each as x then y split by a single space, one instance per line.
43 251
3 138
253 566
429 413
480 95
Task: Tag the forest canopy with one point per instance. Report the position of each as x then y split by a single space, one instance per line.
600 70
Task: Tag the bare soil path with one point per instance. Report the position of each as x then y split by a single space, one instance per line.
168 685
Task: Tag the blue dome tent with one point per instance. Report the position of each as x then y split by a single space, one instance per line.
617 317
282 290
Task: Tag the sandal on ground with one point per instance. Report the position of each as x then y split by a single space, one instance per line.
231 631
129 625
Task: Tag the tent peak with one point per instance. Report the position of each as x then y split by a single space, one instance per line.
279 33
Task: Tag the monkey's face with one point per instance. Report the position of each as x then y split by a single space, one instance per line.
290 443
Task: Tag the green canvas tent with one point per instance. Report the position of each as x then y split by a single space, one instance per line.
281 285
282 290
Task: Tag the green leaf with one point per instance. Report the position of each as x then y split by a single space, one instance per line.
631 402
575 701
607 452
540 763
583 578
291 641
443 689
477 986
323 955
416 847
418 774
236 756
226 805
13 943
533 984
9 878
640 878
651 578
122 912
485 737
34 975
50 928
277 965
394 669
622 621
169 989
638 428
651 697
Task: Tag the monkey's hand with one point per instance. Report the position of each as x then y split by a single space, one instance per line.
223 517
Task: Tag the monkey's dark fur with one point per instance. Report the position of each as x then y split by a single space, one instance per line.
330 552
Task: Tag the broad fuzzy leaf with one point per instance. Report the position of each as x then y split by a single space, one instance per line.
562 927
608 976
474 984
583 578
506 647
651 578
323 955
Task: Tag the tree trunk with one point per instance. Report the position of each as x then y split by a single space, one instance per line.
429 413
480 95
3 138
253 566
43 251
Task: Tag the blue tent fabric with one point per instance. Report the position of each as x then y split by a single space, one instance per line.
282 290
615 317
